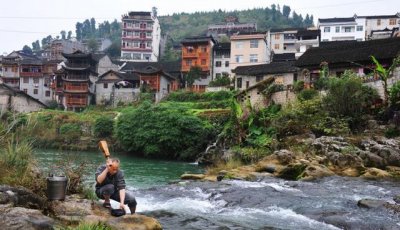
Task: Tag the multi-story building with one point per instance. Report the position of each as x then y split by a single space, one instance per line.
306 38
231 26
198 51
249 49
10 66
341 29
141 36
222 56
282 40
75 78
55 48
381 26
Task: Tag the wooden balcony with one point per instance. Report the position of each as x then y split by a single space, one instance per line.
78 89
31 74
75 78
77 102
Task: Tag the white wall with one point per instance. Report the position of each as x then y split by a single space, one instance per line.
342 35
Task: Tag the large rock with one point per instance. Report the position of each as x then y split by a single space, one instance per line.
316 171
374 173
192 176
370 203
21 197
72 210
326 144
23 218
292 171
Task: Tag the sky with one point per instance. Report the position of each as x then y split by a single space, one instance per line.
25 21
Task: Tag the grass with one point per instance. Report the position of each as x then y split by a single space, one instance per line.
222 165
87 226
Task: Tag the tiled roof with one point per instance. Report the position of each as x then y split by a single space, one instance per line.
198 39
223 46
350 51
122 76
283 57
332 20
262 69
305 32
16 91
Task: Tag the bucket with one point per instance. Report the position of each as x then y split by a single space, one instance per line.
56 187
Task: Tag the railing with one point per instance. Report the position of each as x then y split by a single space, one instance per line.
30 74
76 101
135 49
75 78
82 88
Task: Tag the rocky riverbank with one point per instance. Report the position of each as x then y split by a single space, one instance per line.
22 209
308 158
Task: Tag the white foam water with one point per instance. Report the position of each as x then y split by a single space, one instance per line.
279 186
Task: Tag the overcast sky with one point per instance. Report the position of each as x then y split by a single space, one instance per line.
25 21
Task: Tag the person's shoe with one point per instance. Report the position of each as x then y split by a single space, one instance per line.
133 209
107 205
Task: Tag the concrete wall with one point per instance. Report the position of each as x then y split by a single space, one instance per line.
342 35
259 101
124 95
282 79
105 64
372 24
30 86
216 89
19 102
245 50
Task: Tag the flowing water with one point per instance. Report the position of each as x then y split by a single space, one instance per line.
269 203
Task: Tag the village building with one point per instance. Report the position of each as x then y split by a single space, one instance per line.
249 49
381 26
77 79
283 73
230 27
341 29
306 39
198 51
104 63
113 88
350 55
141 35
10 66
222 56
282 40
14 100
56 48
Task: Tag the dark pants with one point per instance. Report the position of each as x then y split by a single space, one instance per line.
109 189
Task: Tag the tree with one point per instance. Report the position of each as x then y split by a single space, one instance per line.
63 34
93 46
69 35
286 11
36 45
26 49
93 26
193 75
385 74
78 30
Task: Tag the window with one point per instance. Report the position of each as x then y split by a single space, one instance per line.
35 91
347 29
142 45
392 22
189 62
253 58
47 93
203 49
239 83
239 58
359 28
148 34
135 44
218 64
203 62
226 63
378 22
190 49
277 36
36 80
26 79
276 46
105 85
327 29
239 45
137 56
259 78
136 33
337 29
253 43
146 56
25 91
148 44
247 84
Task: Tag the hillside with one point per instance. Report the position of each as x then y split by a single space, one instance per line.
180 25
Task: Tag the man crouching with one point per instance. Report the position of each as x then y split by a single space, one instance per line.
110 184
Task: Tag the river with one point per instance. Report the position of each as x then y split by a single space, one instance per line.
268 203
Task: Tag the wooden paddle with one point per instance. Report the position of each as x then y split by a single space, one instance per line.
104 148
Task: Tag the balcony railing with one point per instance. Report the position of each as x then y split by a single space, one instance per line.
82 88
76 101
30 74
75 78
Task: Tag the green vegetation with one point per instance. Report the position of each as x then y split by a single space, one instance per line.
87 226
103 127
220 81
161 131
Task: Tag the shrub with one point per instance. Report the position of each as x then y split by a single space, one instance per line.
307 94
53 104
347 97
394 95
161 131
220 81
298 86
70 131
392 132
182 96
103 127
